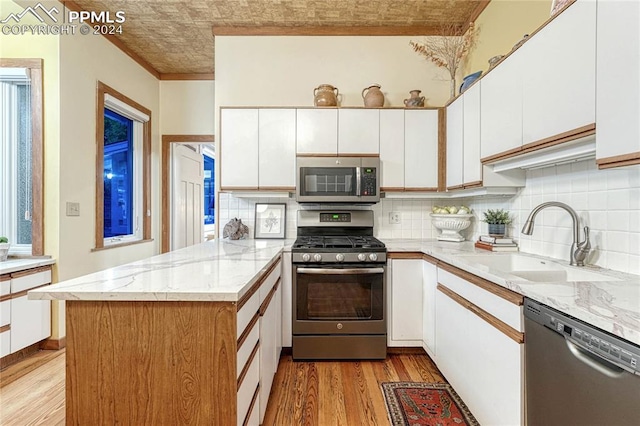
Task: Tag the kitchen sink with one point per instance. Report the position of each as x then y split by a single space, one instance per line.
534 269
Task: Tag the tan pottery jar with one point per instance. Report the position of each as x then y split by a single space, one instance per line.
325 95
415 101
374 97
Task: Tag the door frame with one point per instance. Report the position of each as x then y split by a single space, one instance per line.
165 198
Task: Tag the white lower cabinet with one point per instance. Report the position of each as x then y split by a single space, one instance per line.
483 364
404 302
429 281
269 354
29 321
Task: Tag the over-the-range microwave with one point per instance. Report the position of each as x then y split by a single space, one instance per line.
338 180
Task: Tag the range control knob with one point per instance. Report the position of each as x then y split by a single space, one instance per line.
317 257
373 257
306 257
340 257
362 257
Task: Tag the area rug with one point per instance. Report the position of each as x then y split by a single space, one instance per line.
432 404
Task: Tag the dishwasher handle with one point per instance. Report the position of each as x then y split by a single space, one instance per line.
599 364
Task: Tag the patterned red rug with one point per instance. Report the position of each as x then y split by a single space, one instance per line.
432 404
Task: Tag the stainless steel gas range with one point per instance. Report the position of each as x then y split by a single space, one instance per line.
339 279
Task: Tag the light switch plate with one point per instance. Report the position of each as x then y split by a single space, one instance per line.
73 209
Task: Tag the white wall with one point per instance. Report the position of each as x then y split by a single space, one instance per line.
283 71
85 60
186 107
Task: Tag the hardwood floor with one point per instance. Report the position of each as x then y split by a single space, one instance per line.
303 393
341 393
32 391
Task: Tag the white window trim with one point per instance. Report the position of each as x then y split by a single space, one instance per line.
138 154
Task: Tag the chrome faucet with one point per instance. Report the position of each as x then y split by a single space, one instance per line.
579 250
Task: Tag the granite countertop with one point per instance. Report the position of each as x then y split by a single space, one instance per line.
212 271
15 264
223 270
613 306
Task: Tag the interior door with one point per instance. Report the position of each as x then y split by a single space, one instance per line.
187 216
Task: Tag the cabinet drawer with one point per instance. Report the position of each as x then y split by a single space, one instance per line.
5 343
248 389
269 282
244 351
26 282
5 285
247 312
5 312
500 308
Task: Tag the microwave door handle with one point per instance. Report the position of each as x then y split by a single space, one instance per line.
358 189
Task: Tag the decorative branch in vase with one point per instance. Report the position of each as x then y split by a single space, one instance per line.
449 49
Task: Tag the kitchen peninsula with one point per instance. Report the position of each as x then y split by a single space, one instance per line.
159 341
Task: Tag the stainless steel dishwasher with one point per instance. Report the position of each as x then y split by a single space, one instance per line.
576 374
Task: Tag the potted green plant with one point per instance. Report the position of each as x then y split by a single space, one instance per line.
4 248
497 220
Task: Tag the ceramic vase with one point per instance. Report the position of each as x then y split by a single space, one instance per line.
415 101
325 95
374 98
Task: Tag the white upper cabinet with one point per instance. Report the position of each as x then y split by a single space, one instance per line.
455 142
559 71
421 149
359 131
277 154
317 131
239 148
501 105
618 82
472 168
392 148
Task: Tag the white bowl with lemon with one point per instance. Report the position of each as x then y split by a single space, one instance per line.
450 220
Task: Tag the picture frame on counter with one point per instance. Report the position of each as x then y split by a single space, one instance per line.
270 220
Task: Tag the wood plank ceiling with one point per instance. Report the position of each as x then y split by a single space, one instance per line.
177 36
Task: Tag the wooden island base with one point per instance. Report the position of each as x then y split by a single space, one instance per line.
171 363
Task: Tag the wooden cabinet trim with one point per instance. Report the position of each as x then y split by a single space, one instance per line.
453 188
391 188
24 292
6 297
568 136
267 300
246 367
254 399
277 188
5 328
256 286
507 330
619 160
475 184
245 333
442 149
504 293
238 188
424 189
31 271
5 277
405 255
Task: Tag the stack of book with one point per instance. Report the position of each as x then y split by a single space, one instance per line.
496 243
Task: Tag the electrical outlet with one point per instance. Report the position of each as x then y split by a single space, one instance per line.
394 217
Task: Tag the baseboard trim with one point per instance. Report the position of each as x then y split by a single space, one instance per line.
17 356
405 351
53 344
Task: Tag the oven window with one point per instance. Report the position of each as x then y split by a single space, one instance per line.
328 181
339 296
330 300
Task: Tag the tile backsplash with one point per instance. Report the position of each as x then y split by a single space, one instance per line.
608 201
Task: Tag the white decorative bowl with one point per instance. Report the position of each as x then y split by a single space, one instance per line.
450 225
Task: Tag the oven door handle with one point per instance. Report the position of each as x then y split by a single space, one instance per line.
330 271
